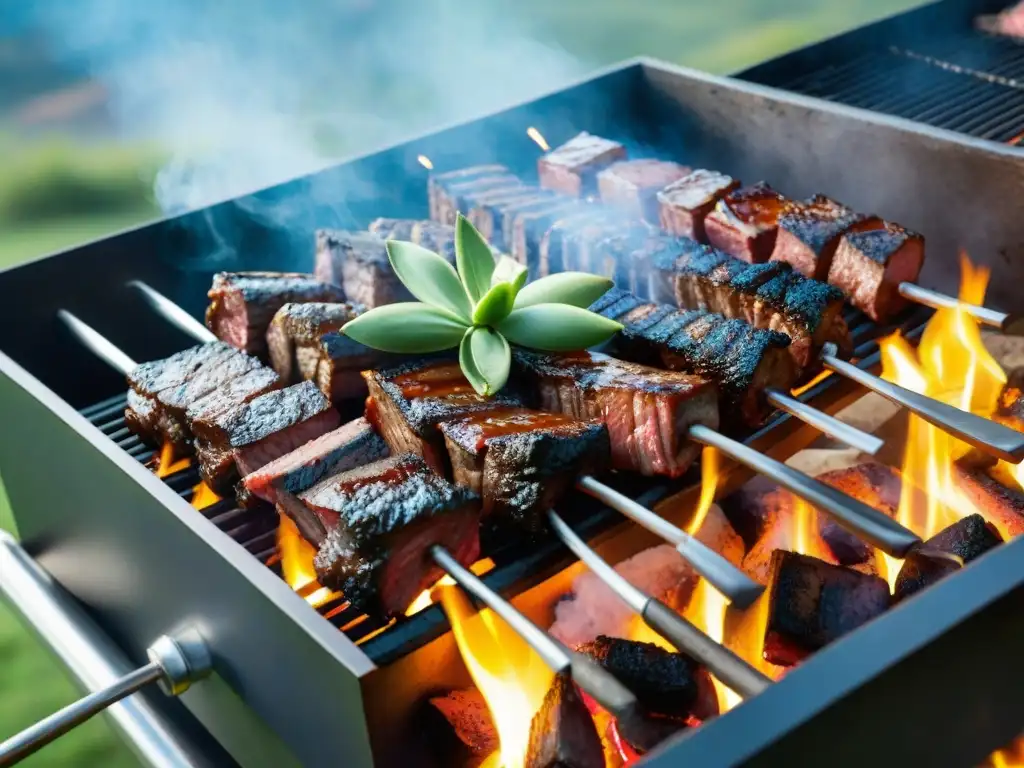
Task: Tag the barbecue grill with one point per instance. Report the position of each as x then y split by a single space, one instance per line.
933 64
287 685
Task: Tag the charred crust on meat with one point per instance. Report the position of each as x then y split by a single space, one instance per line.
968 539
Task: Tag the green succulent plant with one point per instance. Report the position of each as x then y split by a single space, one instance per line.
482 309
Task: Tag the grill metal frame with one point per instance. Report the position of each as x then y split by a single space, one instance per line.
289 686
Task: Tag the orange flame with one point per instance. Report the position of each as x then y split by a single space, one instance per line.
297 563
202 496
166 465
425 162
427 597
708 485
510 676
538 138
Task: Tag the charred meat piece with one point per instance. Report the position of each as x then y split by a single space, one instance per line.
522 461
618 252
558 241
633 185
387 515
201 414
341 363
665 683
483 209
573 167
453 193
295 332
871 261
648 412
409 402
471 738
745 222
741 360
684 204
392 229
811 603
529 225
439 182
251 435
968 538
809 234
439 238
562 733
242 304
358 261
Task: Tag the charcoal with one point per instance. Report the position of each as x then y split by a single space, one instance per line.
809 234
968 538
358 261
387 517
462 728
648 412
633 185
872 259
1010 406
242 304
745 222
1000 504
812 603
572 168
562 733
684 204
878 486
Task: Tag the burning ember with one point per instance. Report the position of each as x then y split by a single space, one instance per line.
297 563
425 162
538 138
166 464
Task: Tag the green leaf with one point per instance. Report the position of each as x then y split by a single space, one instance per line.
429 278
473 257
579 289
495 305
485 358
508 270
557 327
407 327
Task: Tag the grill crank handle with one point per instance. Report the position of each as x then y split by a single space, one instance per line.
175 662
1012 325
723 663
984 434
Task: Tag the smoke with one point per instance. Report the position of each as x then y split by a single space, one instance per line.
244 94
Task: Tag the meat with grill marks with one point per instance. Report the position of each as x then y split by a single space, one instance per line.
250 435
633 185
358 261
872 259
741 360
684 204
572 168
439 238
809 234
768 295
382 519
745 222
242 304
459 191
648 412
526 223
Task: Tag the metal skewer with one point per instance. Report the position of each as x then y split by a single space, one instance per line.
95 342
175 314
720 661
986 435
825 423
1012 325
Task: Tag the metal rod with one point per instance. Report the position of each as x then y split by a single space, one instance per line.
36 737
986 435
175 314
95 341
1004 321
722 663
826 424
737 587
863 521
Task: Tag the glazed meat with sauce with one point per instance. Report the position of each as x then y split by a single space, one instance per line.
634 185
684 204
647 412
741 360
572 168
522 461
745 222
242 304
382 519
809 234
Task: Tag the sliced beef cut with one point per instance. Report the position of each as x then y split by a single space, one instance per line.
409 401
439 183
392 229
741 360
745 222
648 412
684 204
557 242
483 209
248 436
809 234
530 225
387 516
872 259
537 200
358 261
340 365
665 683
201 414
522 461
562 732
242 304
617 252
459 195
572 168
295 333
439 238
633 185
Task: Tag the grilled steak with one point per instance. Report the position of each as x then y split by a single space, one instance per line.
201 414
871 261
242 304
248 436
617 252
633 185
439 183
741 360
522 461
460 195
439 238
385 517
531 223
665 683
392 229
294 336
684 204
484 209
648 412
409 401
358 261
768 295
809 234
573 167
745 222
559 237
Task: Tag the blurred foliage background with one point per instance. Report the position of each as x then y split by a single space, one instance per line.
76 165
